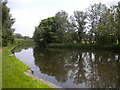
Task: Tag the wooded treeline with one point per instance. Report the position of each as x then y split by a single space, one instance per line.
7 22
99 24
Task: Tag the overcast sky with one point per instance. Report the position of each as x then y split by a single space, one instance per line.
28 13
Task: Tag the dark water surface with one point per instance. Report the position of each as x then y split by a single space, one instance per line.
74 68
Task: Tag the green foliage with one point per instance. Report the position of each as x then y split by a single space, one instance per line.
23 41
94 12
62 26
7 22
80 24
17 35
45 32
99 25
117 20
108 28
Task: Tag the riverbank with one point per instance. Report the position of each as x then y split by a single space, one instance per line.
0 68
13 75
85 46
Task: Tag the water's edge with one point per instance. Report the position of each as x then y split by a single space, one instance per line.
42 80
29 73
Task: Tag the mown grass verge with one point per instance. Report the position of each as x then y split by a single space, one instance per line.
0 68
85 46
13 75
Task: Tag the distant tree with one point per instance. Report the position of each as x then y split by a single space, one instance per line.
17 35
26 37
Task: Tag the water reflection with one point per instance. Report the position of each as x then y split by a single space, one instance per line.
24 46
96 69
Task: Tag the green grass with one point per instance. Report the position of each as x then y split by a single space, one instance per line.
86 46
0 69
13 73
24 41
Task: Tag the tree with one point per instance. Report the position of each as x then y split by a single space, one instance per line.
117 19
17 35
62 25
45 32
7 22
98 24
79 24
94 12
105 33
108 26
38 35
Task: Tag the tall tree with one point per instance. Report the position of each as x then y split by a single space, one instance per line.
94 12
61 19
79 24
7 22
105 33
0 23
117 19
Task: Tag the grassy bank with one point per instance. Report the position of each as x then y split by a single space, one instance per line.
13 73
0 68
85 46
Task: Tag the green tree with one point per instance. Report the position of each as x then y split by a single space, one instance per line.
79 24
108 27
62 25
103 25
117 19
7 22
17 35
94 12
45 32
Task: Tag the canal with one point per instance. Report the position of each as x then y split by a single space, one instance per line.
73 68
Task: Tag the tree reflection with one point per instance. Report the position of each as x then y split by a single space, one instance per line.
99 69
52 63
24 46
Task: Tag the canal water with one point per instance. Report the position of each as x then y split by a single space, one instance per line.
73 68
